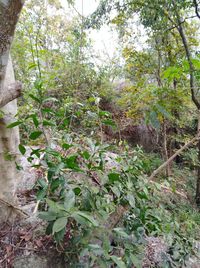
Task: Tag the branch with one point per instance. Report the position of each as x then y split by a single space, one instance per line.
18 210
167 189
157 171
10 93
196 8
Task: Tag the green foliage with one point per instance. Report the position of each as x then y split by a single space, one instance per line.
100 214
79 196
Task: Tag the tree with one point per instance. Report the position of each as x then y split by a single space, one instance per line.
9 91
156 16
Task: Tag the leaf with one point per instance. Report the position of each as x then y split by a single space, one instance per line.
85 216
120 232
41 193
22 149
104 113
32 66
47 216
118 261
59 224
163 111
114 177
59 235
131 200
55 184
136 262
38 84
50 99
71 163
48 123
116 191
70 200
34 98
109 122
34 135
66 146
85 155
14 124
42 183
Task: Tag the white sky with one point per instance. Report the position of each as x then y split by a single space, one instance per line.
104 40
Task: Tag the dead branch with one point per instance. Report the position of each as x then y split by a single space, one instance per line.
157 171
17 209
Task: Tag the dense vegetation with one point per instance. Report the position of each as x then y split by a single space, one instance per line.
96 188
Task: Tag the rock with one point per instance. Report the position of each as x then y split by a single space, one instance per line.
35 261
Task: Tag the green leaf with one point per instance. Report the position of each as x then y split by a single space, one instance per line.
131 200
114 177
42 183
163 111
85 155
109 122
50 99
118 261
136 262
71 163
104 113
48 123
66 146
22 149
79 214
38 84
77 190
55 184
47 215
41 194
59 235
32 66
34 98
70 200
14 124
35 120
59 224
120 232
34 135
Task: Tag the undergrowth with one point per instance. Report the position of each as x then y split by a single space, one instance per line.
96 197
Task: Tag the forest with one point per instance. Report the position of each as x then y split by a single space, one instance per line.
99 150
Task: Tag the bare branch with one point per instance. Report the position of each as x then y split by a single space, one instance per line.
157 171
10 93
196 6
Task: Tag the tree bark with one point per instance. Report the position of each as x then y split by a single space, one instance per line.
198 167
192 86
165 149
9 90
10 93
9 140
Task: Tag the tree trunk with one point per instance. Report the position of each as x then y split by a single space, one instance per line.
9 91
165 149
9 140
198 167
